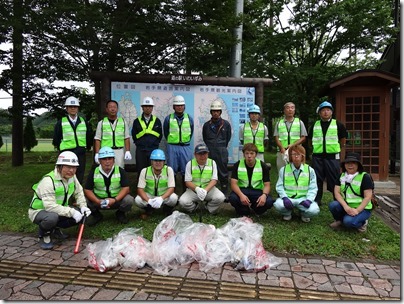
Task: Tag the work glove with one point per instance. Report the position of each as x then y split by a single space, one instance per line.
104 203
128 156
151 202
306 203
287 203
85 211
96 159
77 216
158 201
201 193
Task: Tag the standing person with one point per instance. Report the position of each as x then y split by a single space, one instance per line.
113 132
250 184
156 186
353 193
49 207
178 129
297 187
73 133
107 187
216 133
288 132
326 135
147 132
254 131
201 178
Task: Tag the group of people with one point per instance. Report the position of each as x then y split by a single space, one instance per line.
107 186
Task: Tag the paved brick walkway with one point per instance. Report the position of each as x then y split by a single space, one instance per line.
29 273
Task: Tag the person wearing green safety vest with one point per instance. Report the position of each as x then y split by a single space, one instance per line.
297 187
288 132
106 188
147 132
50 209
156 186
112 131
353 192
201 176
254 131
327 137
73 133
250 184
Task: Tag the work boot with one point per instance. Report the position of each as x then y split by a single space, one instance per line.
58 234
148 210
121 217
94 218
167 210
45 240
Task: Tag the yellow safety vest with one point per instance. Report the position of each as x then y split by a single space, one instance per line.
156 187
332 144
296 188
285 137
147 129
256 179
258 139
202 177
179 134
70 135
113 138
100 189
351 193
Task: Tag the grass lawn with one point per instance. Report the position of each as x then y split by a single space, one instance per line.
294 237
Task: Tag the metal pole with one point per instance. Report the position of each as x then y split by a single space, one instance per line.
235 65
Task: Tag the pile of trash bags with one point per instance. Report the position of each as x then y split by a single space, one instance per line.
177 240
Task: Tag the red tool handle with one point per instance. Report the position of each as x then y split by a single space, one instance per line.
76 249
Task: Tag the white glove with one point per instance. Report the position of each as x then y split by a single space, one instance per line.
96 159
128 156
201 193
286 156
77 216
85 211
158 201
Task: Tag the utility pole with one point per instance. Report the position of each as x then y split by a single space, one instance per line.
235 64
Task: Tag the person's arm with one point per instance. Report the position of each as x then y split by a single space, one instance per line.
228 133
120 196
280 188
89 194
57 135
367 197
313 189
134 131
166 128
191 122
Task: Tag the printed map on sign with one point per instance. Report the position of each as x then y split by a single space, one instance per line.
198 98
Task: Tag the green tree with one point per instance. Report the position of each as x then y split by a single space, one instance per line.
1 141
30 140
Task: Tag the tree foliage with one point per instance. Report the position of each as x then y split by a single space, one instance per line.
30 140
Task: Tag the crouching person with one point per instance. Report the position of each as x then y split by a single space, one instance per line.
49 207
107 187
156 186
201 179
297 187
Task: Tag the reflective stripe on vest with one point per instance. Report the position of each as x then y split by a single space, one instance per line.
61 196
296 188
256 178
147 129
70 135
202 177
351 198
108 135
258 139
331 143
161 184
286 138
100 189
179 134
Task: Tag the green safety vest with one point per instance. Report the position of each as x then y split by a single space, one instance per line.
256 179
286 138
351 193
296 188
112 138
258 139
100 190
62 197
70 135
147 129
179 134
156 187
332 144
202 177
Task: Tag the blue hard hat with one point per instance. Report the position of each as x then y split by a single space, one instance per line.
157 155
106 152
324 104
254 109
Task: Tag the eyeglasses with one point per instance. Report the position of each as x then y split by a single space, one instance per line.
296 155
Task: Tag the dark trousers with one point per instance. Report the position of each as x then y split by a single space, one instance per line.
326 170
47 221
253 195
221 156
142 159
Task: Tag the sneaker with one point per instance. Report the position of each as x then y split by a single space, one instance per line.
305 219
287 217
364 227
58 234
45 241
336 224
121 217
94 218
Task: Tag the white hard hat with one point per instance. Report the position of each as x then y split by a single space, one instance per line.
67 158
178 100
147 101
216 105
72 101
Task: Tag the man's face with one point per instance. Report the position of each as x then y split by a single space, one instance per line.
72 110
107 163
68 171
325 113
179 109
112 109
250 157
147 110
157 164
201 158
289 110
215 114
297 158
254 116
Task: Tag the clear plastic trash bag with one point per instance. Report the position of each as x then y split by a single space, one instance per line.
100 255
